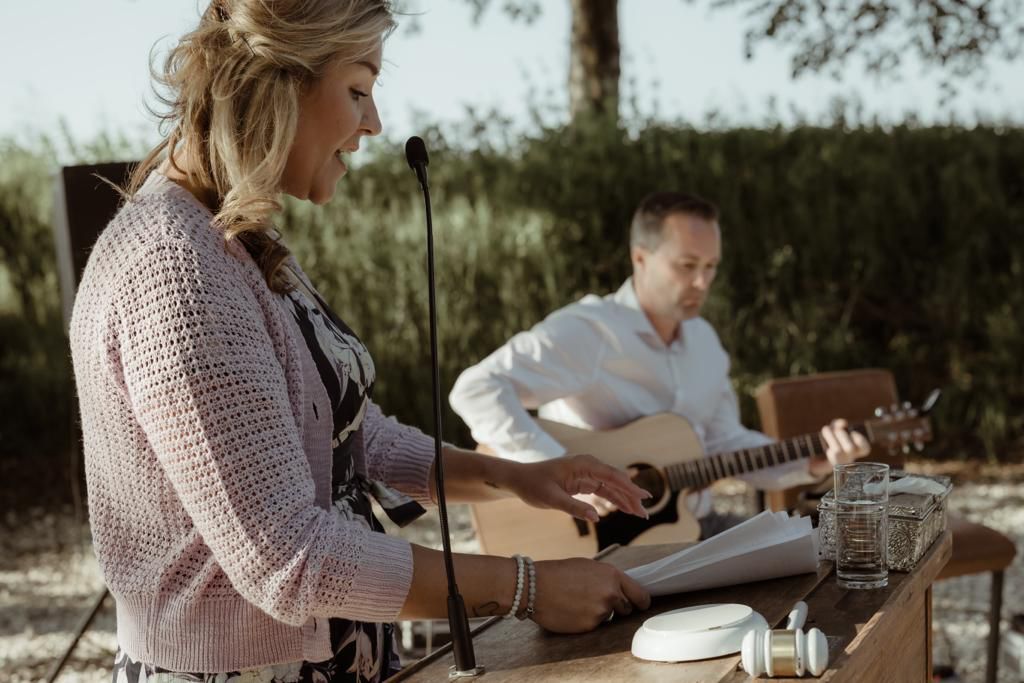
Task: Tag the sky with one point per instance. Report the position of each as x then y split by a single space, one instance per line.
86 63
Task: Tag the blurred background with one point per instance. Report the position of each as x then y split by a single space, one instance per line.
868 159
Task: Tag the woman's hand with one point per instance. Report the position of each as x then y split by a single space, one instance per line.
570 596
553 483
842 447
576 595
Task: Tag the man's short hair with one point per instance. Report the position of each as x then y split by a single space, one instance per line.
646 230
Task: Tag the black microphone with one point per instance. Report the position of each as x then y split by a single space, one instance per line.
458 623
416 155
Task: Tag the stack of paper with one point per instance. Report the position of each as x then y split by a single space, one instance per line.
767 546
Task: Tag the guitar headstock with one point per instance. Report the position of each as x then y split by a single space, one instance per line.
902 426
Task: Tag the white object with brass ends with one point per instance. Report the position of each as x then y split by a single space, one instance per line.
786 652
666 455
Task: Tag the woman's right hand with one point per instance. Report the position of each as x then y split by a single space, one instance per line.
576 595
571 596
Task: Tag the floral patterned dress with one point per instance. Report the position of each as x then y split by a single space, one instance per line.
363 652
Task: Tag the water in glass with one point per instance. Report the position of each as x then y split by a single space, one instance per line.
861 544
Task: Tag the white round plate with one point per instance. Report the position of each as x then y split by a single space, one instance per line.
701 632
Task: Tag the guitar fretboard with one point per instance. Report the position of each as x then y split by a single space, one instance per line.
704 471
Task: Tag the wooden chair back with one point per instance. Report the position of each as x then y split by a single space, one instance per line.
83 206
801 405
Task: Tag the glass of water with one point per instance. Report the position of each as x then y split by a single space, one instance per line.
862 524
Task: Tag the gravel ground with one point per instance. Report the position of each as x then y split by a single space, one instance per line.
960 606
49 579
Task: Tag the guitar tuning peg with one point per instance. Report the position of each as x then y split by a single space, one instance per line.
879 411
918 446
906 448
907 405
895 407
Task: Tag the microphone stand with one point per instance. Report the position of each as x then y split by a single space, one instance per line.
458 623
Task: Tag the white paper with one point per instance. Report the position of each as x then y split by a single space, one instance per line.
767 546
916 485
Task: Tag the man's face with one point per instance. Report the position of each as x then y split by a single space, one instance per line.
672 282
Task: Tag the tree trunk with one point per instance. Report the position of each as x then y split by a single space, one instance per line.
594 58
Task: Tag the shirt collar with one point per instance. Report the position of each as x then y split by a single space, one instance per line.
640 323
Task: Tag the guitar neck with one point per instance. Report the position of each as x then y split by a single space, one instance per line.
704 471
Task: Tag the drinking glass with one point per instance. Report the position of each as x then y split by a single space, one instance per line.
862 524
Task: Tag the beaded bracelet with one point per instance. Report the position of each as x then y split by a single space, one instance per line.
532 593
520 571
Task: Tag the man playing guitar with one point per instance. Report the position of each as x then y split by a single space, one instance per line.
603 362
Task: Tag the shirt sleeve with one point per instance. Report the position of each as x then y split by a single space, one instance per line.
725 433
556 359
200 362
398 455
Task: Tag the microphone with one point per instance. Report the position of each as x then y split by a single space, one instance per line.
416 155
458 622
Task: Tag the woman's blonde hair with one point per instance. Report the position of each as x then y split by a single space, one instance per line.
233 87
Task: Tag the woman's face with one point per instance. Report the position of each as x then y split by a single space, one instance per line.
334 113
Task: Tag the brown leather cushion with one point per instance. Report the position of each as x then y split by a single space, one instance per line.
976 548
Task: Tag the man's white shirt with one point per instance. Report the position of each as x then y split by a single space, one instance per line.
599 364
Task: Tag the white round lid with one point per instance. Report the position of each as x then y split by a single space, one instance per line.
699 618
698 632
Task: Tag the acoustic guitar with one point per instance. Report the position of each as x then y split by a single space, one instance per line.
666 455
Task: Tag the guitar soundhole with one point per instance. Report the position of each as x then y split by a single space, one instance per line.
651 480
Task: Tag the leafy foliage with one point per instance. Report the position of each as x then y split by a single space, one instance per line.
844 248
954 35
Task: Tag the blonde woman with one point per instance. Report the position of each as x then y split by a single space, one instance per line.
231 442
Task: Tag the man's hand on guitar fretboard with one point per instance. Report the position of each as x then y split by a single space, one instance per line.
842 447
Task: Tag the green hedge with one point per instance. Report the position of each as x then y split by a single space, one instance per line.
843 248
899 248
35 385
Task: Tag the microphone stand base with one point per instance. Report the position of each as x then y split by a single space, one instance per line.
454 674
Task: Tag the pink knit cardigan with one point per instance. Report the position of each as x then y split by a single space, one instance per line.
208 457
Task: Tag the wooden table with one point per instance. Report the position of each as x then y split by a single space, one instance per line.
873 636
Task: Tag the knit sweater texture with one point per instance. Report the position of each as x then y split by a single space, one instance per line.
208 458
